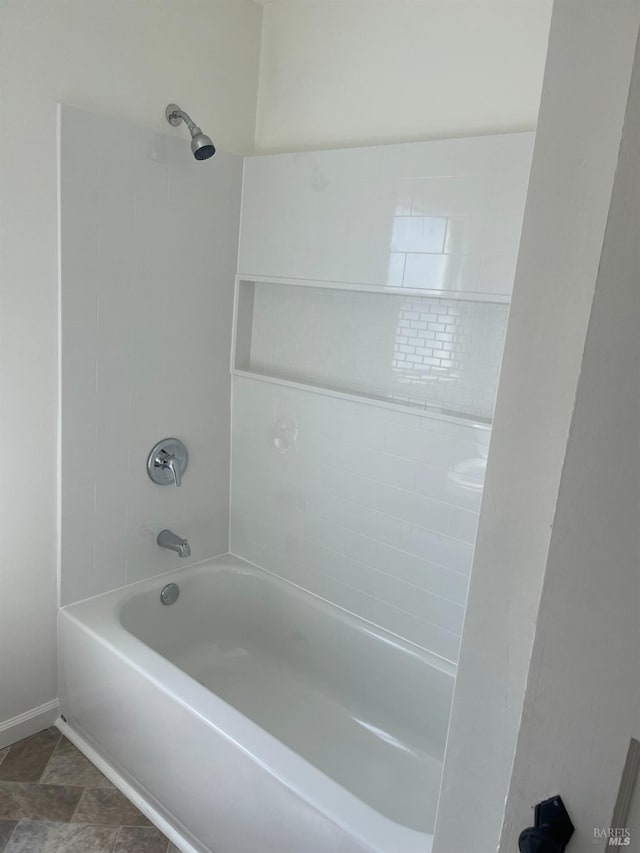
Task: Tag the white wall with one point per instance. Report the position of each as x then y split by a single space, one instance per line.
129 59
583 688
148 244
352 72
575 157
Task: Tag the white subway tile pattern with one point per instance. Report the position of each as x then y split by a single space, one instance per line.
431 353
443 215
372 508
146 319
448 353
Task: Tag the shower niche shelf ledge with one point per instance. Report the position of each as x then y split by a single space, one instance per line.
363 287
431 353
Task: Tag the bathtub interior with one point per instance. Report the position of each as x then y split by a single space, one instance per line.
308 673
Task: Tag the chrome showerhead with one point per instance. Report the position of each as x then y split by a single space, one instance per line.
201 145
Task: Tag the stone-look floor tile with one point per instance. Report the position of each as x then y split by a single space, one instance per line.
140 840
26 759
29 801
6 828
43 837
108 806
172 848
3 754
68 766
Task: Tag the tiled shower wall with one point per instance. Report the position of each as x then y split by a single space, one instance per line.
148 242
371 508
370 505
447 353
443 215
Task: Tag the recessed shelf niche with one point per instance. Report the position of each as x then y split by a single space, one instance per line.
426 352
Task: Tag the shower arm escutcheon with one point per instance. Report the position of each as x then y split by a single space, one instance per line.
167 462
175 116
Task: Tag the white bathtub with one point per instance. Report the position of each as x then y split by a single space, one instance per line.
252 716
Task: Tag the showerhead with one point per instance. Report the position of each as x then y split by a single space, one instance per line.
201 145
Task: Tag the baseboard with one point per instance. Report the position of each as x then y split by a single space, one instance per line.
28 723
131 793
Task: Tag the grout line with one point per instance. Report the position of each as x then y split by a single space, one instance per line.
71 821
116 839
75 811
415 586
18 822
53 752
319 491
386 484
376 599
387 572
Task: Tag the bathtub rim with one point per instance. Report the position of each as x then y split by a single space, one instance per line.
240 564
99 617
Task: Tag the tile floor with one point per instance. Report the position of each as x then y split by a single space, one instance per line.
53 800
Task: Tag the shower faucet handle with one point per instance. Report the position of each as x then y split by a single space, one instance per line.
167 462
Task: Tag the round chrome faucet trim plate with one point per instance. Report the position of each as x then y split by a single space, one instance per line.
167 462
170 593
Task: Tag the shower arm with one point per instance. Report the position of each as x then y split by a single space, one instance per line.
175 117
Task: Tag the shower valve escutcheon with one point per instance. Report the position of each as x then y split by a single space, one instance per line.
167 462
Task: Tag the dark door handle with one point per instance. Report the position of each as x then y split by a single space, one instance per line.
552 830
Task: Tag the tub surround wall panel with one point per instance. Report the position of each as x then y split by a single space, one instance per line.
374 508
371 508
148 239
443 215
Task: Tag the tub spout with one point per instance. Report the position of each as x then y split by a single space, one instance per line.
168 539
